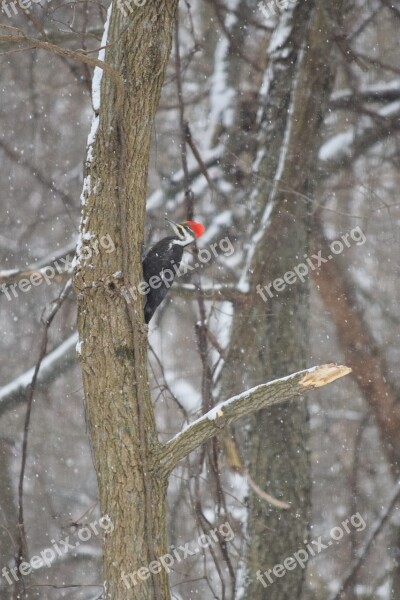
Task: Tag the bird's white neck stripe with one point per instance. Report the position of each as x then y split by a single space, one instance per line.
182 242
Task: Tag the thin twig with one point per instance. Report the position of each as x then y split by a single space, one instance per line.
375 530
22 543
21 37
189 199
166 385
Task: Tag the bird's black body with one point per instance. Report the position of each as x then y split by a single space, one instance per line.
163 256
162 261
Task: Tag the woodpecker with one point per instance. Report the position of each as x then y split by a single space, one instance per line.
162 261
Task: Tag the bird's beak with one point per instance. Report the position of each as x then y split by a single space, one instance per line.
172 223
174 226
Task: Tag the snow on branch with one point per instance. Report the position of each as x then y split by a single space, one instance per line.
354 142
229 411
61 260
53 365
370 94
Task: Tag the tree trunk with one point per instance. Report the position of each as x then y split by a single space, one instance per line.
113 340
271 337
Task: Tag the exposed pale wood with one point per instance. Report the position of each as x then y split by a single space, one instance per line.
323 375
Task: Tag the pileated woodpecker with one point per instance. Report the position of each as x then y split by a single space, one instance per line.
164 258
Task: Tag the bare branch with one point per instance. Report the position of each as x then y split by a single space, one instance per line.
47 182
235 463
53 365
22 542
338 150
214 293
22 38
229 411
39 268
371 94
13 276
189 197
375 530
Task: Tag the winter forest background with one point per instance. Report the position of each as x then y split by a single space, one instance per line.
278 128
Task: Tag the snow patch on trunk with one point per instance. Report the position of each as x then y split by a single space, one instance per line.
87 183
244 284
98 72
221 94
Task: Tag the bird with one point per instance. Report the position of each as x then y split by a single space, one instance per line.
162 261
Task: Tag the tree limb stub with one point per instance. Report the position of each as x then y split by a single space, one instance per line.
229 411
323 375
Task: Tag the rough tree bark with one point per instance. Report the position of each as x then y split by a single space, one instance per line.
113 339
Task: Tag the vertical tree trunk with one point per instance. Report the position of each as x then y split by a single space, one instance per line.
271 337
113 340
